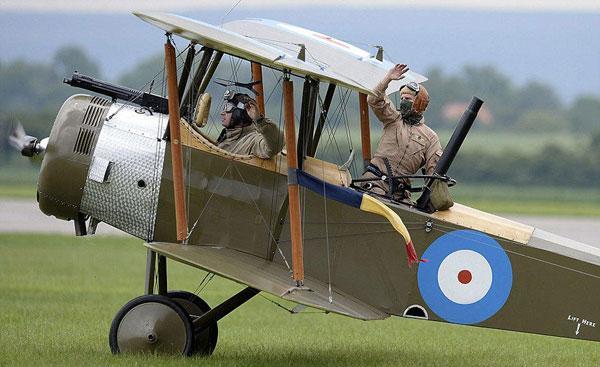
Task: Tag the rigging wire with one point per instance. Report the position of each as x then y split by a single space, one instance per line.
332 128
155 171
208 277
262 217
277 83
294 50
349 132
230 10
207 202
275 186
290 310
151 84
157 150
330 298
321 64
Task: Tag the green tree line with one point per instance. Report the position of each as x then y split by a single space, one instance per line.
32 93
530 107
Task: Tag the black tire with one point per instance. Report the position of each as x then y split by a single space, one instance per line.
152 324
205 339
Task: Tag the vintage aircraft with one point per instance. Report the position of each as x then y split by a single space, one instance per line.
293 226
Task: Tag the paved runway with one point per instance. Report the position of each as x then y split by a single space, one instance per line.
25 216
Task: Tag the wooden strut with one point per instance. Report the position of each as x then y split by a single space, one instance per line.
365 131
293 190
257 75
176 154
187 66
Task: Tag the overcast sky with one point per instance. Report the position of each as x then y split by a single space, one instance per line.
178 5
545 40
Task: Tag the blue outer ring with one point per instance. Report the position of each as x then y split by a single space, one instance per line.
495 298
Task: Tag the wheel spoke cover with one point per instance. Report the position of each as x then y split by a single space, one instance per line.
152 324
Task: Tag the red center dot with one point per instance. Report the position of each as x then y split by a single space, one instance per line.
464 276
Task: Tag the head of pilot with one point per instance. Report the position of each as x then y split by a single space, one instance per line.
414 99
235 110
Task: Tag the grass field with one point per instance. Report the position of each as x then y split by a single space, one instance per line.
516 141
59 295
551 201
479 140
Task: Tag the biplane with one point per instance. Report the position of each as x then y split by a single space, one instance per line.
295 226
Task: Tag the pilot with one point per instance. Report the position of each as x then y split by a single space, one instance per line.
407 144
246 131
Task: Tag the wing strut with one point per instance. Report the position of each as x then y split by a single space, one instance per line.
257 76
365 129
176 159
322 119
189 96
293 190
310 94
187 66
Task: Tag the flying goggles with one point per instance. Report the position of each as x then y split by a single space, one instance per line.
413 86
229 105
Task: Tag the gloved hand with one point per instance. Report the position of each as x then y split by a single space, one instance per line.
253 112
397 72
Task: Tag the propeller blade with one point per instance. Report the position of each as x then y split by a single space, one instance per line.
229 83
25 144
16 136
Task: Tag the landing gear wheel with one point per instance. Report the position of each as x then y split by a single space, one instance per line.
152 324
206 339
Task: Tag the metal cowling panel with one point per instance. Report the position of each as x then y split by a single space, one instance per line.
129 155
71 143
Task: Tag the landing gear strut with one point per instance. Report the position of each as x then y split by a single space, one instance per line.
177 322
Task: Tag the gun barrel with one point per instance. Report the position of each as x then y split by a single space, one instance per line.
458 137
154 102
452 148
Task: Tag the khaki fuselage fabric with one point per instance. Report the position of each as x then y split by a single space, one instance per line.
262 139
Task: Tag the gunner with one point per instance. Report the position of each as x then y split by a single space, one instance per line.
407 144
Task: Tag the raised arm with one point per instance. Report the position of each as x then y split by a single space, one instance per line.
270 140
380 103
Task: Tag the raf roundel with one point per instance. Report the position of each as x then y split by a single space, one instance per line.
468 277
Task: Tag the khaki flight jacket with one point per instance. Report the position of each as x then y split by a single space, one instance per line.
262 139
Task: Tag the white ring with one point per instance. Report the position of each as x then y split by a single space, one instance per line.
470 290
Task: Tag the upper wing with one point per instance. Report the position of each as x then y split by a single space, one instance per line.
277 45
237 45
325 51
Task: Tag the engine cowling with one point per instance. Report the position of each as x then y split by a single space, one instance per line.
104 160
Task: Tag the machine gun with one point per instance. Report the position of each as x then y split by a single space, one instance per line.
153 102
461 131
